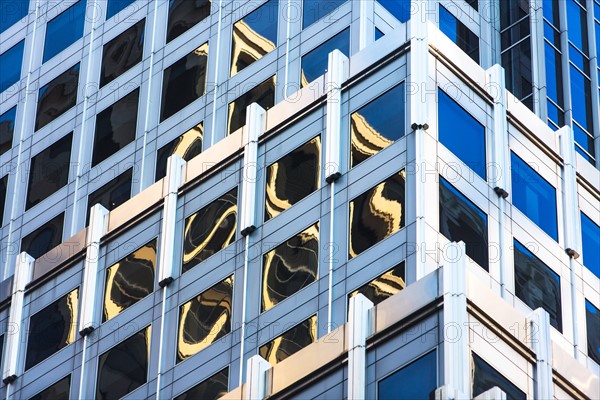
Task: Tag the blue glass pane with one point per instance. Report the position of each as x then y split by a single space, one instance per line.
553 74
577 26
315 10
7 129
378 34
582 99
115 6
590 236
550 9
10 66
461 134
592 318
314 63
64 30
398 8
486 377
584 140
533 196
415 381
12 11
459 34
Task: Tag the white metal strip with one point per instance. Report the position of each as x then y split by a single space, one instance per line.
359 328
337 73
256 384
539 321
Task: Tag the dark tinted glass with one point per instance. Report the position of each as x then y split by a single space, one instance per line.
12 11
129 280
10 65
376 214
115 6
122 53
1 348
64 29
590 237
378 34
417 380
204 319
7 129
184 82
183 14
254 36
58 391
577 26
124 368
209 389
473 3
385 285
315 10
56 97
115 127
512 11
210 229
515 33
518 70
3 192
377 125
290 341
187 146
398 8
582 98
44 238
293 177
592 318
52 328
533 196
459 33
537 285
314 63
554 88
49 171
263 95
460 219
486 377
113 194
291 266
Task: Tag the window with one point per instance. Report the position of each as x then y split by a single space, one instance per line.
57 96
49 171
3 192
376 214
52 328
377 125
378 34
460 219
416 380
293 177
129 280
116 6
11 62
577 26
7 129
58 391
533 196
12 11
474 4
398 8
290 341
385 285
116 192
592 318
115 127
64 29
590 237
187 146
122 53
209 389
486 377
210 229
263 95
184 82
313 11
184 14
315 62
124 368
537 285
254 36
458 32
204 319
44 238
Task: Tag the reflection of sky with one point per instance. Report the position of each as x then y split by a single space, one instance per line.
591 244
64 30
314 10
314 63
263 20
398 8
10 65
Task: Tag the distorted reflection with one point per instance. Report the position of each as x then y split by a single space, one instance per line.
204 319
377 125
293 177
210 229
116 192
263 95
376 214
290 266
290 341
122 53
44 238
184 14
386 285
187 146
209 389
129 280
58 391
486 377
7 129
57 96
314 63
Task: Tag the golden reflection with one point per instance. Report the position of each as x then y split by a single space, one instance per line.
191 139
290 342
384 286
263 95
72 307
247 47
365 140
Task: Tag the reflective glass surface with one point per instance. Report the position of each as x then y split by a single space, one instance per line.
58 391
7 129
10 65
184 14
592 318
44 238
57 96
116 192
315 10
12 11
293 177
512 11
115 127
129 280
122 53
385 285
376 214
554 88
187 146
210 229
551 11
254 36
184 82
459 34
209 389
290 341
577 26
486 377
537 285
398 8
378 34
124 368
582 99
263 95
533 196
460 219
52 328
417 380
115 6
3 192
473 3
376 125
64 29
515 33
314 63
590 237
49 171
518 71
204 319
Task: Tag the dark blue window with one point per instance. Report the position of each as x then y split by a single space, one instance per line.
592 318
486 377
315 10
417 380
577 26
533 196
7 129
314 63
116 6
64 29
378 34
10 65
554 88
398 8
590 235
12 11
459 34
461 134
3 192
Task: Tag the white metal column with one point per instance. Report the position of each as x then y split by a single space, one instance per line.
359 328
539 321
256 384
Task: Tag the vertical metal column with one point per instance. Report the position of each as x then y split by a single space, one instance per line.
359 328
256 384
539 321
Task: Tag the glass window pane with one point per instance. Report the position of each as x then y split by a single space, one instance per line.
315 10
209 389
254 36
385 285
122 53
11 62
129 280
314 63
292 178
115 127
289 267
474 4
187 146
44 238
590 236
52 328
263 95
581 96
58 391
7 129
592 318
184 14
116 192
3 193
417 380
57 96
512 11
537 285
518 70
116 6
584 140
378 34
184 82
486 377
205 319
459 34
554 88
210 229
398 8
577 26
12 11
64 29
515 33
376 214
551 11
290 342
124 368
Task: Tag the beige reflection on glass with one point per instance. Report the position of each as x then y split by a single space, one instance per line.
290 342
382 287
247 47
365 141
72 310
190 139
